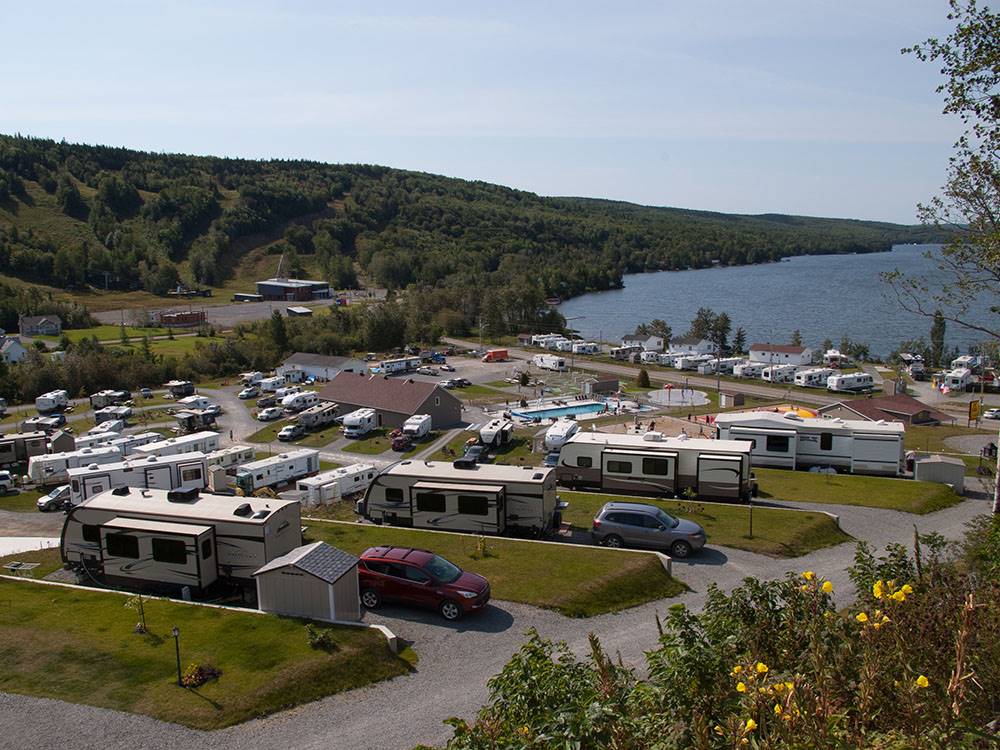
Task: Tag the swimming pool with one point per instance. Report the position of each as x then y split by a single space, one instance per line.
580 407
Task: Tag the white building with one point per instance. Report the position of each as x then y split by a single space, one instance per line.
648 343
11 349
780 354
691 345
302 365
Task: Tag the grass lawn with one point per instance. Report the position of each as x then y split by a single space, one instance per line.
49 561
931 438
316 439
106 333
778 533
377 442
847 489
453 448
22 502
171 347
338 510
92 656
576 580
518 452
501 384
482 393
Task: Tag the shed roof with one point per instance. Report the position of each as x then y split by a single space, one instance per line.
319 559
397 395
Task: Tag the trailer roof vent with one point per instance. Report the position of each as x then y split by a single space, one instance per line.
793 416
182 495
537 475
93 467
243 509
121 491
653 437
682 436
261 514
151 459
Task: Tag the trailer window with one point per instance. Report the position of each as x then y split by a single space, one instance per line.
170 551
91 533
656 466
620 467
191 475
122 545
431 502
826 441
206 549
777 443
473 505
393 495
584 462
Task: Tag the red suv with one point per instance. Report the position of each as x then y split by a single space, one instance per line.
420 578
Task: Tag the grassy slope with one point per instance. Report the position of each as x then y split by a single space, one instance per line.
22 502
93 656
316 439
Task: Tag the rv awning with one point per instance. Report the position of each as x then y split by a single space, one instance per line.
641 451
161 527
493 489
719 457
760 430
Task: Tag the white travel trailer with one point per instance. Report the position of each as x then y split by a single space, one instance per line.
205 442
560 431
417 426
967 361
114 425
112 414
789 441
668 359
194 402
286 391
549 362
189 470
89 440
251 378
650 358
400 365
52 401
320 415
815 377
53 468
108 398
277 470
296 402
542 339
561 345
779 373
653 463
691 361
359 423
484 498
328 486
178 537
833 358
588 347
272 384
231 457
496 433
957 380
852 382
749 370
128 443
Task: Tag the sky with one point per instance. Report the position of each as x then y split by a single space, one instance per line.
747 106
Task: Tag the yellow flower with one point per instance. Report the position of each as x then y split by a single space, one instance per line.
741 687
861 617
751 725
922 682
779 687
719 730
789 686
736 670
777 709
899 596
877 589
524 731
808 575
827 587
906 589
761 668
804 587
885 619
876 625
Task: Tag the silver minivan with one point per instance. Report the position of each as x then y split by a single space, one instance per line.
641 525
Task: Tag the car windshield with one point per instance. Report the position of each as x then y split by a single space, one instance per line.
667 520
443 570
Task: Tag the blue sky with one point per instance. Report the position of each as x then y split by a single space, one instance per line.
745 106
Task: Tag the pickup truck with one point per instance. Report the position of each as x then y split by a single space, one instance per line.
6 482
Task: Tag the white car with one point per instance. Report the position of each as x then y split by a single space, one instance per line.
291 432
55 500
251 391
6 482
447 368
269 414
214 409
446 383
991 414
426 371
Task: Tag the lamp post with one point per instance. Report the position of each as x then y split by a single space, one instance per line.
176 633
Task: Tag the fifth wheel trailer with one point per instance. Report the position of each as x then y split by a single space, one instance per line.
789 441
714 469
52 468
486 499
328 486
188 470
132 536
206 442
275 470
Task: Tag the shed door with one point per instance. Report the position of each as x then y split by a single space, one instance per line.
158 478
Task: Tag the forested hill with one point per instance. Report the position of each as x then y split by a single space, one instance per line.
76 215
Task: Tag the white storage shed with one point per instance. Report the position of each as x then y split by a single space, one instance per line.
317 582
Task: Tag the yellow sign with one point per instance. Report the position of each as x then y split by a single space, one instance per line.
974 411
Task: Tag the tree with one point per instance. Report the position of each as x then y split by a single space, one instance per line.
660 328
704 321
643 378
796 337
969 205
719 332
937 338
277 331
739 341
827 345
122 334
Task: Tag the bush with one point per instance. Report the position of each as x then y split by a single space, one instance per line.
643 379
320 639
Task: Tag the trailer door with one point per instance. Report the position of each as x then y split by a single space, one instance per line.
158 478
719 476
95 485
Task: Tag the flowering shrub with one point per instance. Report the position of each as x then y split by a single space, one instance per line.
914 663
197 675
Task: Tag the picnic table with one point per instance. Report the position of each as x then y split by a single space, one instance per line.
17 568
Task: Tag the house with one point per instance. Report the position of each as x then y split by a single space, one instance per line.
317 366
39 325
11 349
648 343
293 290
524 339
781 354
691 345
898 408
317 581
394 399
180 318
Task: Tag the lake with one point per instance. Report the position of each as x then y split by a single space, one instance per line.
823 296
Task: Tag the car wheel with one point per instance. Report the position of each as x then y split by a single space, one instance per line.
614 541
370 598
680 550
450 610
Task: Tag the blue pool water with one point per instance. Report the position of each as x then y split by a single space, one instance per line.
587 407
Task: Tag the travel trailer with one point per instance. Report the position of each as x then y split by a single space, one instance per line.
114 425
112 413
561 345
319 415
417 426
625 352
194 402
789 441
653 463
296 402
251 378
833 358
128 443
967 361
272 384
277 470
52 401
484 498
194 420
231 457
178 537
328 486
549 362
542 339
496 433
691 361
399 365
17 447
359 423
53 468
815 377
668 359
649 358
496 355
560 431
45 424
853 382
109 398
206 442
749 370
957 380
89 440
189 470
587 347
286 391
779 373
179 388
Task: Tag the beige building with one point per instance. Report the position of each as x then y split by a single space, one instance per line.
317 582
394 399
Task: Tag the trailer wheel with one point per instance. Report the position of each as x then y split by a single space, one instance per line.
370 598
613 540
680 550
450 610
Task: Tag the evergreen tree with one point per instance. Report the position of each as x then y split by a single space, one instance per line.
643 378
937 338
739 341
796 337
277 331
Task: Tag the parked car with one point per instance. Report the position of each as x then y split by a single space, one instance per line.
55 500
421 579
270 414
991 414
462 382
214 409
251 391
476 453
446 368
402 443
291 432
266 401
146 392
426 371
449 384
6 482
642 525
551 459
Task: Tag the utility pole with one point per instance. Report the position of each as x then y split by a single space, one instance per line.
480 331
